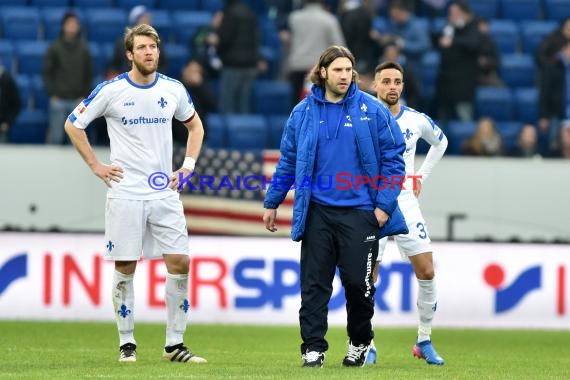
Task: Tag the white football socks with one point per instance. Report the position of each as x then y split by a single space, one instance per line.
177 306
427 303
123 302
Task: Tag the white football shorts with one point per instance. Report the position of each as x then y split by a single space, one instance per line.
148 228
417 240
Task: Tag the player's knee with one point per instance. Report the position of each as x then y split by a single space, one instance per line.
425 273
177 264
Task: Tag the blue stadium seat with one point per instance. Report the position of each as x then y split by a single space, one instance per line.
557 10
429 68
177 54
6 54
18 3
379 24
509 131
246 131
176 5
506 35
84 4
272 97
534 32
520 9
39 94
216 131
457 133
105 24
212 5
29 128
20 23
24 84
130 4
276 124
518 70
99 64
494 102
271 55
526 104
187 23
30 56
162 22
485 8
51 3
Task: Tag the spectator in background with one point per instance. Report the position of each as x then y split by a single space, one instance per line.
563 150
458 69
407 33
489 59
67 75
554 98
411 93
356 23
311 30
553 43
10 103
202 96
527 143
486 141
203 46
119 63
238 42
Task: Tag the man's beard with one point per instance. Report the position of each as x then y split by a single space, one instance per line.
143 69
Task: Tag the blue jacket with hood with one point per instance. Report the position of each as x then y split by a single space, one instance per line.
380 147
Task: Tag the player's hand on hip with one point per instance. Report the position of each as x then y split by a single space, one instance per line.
108 173
175 179
269 219
417 187
381 216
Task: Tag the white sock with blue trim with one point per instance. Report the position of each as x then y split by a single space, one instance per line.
124 302
427 304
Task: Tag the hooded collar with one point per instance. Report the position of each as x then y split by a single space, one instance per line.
319 94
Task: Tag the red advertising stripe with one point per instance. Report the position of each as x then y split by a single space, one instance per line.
561 301
191 211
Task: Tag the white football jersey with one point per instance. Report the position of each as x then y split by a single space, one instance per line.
139 123
415 125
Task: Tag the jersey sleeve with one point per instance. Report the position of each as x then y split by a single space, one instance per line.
185 108
430 131
90 108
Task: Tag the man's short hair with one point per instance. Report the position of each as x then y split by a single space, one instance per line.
389 65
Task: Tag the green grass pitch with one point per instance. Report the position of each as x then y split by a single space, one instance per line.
65 350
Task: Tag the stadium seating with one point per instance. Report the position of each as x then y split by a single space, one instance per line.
105 24
29 128
212 5
276 124
458 132
520 9
51 3
162 22
534 32
526 104
83 4
429 68
39 94
187 23
557 10
518 70
272 97
176 5
20 23
6 54
130 4
494 102
485 8
51 20
506 35
246 131
177 56
216 131
14 2
25 89
30 56
509 132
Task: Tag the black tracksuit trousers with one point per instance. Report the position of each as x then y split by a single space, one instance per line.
347 238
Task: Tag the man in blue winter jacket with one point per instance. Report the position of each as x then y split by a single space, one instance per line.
342 151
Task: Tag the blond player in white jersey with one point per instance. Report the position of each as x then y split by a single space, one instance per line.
416 245
142 215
